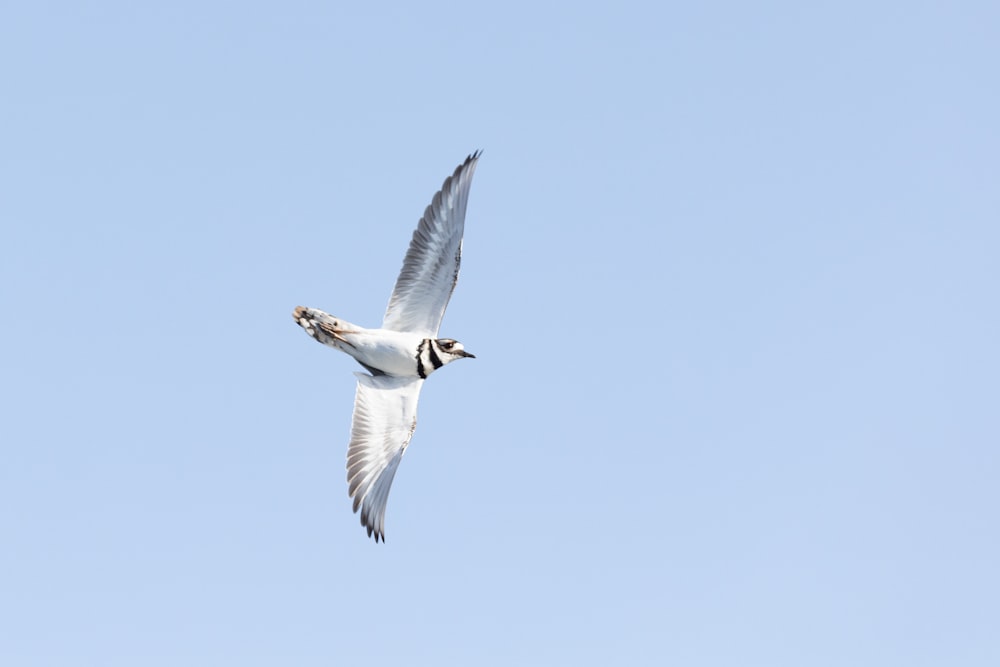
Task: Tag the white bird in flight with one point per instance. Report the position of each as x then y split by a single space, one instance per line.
403 352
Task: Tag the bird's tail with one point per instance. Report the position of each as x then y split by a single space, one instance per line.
324 327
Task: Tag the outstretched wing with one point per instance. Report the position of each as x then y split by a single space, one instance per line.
430 269
385 414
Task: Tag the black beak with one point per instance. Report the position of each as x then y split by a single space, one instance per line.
466 354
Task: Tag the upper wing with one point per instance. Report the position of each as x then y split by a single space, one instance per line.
385 414
430 269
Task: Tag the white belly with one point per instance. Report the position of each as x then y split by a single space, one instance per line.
392 352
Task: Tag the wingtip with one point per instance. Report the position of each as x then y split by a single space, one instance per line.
373 531
468 166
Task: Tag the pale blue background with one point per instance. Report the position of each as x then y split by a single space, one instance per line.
731 274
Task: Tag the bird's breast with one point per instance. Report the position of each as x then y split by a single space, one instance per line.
390 352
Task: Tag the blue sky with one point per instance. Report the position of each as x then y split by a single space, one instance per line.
730 276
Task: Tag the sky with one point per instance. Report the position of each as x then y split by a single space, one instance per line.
730 276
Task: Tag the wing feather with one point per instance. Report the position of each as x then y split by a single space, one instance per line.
385 415
430 268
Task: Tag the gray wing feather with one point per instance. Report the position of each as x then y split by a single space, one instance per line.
430 268
385 415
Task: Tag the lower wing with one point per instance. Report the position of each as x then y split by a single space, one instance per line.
385 415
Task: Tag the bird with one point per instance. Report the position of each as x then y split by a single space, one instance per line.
403 352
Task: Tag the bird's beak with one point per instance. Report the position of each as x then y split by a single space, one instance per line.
466 354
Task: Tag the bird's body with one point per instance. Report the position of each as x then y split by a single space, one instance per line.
403 352
381 351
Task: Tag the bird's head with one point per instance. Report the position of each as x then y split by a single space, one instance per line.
450 350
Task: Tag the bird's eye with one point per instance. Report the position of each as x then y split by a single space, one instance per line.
447 345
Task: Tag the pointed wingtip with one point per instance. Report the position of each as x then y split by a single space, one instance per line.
468 166
374 532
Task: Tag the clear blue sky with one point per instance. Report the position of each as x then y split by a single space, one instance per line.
731 276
